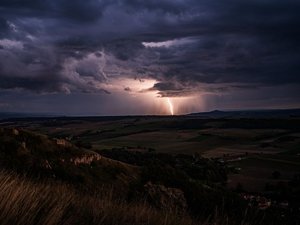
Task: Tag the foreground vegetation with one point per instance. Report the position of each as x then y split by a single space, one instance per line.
26 202
54 181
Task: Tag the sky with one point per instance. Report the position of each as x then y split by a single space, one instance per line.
129 57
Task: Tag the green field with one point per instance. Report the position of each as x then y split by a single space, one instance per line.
267 145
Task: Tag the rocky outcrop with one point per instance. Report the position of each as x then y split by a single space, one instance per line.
85 159
63 142
15 132
165 198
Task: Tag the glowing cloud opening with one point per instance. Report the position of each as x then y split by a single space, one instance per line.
138 97
171 108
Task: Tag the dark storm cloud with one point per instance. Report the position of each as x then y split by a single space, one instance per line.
57 45
84 11
125 49
3 25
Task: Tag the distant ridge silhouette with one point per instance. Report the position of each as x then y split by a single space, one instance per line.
269 113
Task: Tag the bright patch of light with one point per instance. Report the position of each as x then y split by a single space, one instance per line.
170 106
139 94
169 43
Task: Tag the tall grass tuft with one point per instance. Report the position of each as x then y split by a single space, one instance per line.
27 202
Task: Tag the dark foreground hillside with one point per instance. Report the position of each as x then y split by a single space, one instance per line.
51 181
48 203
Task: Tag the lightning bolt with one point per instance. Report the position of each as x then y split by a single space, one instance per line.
170 106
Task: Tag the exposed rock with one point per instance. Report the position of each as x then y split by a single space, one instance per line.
86 159
165 198
23 144
15 132
63 142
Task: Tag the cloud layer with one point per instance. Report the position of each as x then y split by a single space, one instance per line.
189 47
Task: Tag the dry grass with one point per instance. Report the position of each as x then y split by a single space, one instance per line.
25 202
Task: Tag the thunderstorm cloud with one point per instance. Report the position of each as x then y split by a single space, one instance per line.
231 53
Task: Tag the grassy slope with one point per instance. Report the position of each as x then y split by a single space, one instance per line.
105 171
51 195
42 157
256 171
26 202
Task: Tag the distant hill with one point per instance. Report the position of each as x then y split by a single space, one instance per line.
26 152
269 113
273 113
9 115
